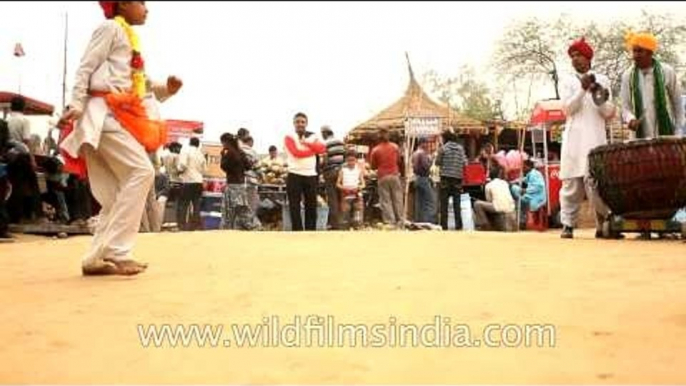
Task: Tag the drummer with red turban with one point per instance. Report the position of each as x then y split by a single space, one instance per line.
584 130
651 92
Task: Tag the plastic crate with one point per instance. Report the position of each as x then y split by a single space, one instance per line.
211 202
211 220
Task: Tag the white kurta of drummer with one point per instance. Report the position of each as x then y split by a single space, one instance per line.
106 66
585 125
646 83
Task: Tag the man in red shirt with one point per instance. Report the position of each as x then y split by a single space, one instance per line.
385 159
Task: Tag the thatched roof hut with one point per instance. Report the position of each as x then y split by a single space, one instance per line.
414 104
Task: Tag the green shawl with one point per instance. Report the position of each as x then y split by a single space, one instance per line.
664 122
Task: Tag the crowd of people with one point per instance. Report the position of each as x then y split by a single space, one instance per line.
34 187
115 132
326 162
312 161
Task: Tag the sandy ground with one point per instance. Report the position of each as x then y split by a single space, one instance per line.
619 307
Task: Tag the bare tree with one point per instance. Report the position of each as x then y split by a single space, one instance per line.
464 92
537 47
528 47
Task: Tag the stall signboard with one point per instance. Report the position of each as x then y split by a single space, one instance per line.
212 153
423 127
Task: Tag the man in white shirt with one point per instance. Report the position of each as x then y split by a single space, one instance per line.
18 124
192 165
648 110
498 201
584 130
302 149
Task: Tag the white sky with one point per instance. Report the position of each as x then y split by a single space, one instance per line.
255 64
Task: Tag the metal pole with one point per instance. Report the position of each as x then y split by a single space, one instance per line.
19 69
64 64
545 163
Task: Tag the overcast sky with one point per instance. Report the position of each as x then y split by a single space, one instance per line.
255 64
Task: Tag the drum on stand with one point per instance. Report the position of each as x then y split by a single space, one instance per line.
642 179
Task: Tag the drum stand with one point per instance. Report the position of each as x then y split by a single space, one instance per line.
615 224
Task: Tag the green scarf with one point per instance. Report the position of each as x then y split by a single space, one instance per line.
664 122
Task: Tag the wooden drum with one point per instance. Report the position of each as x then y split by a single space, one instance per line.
642 179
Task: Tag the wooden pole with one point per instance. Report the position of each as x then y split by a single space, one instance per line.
521 175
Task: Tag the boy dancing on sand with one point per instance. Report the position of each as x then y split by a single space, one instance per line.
115 127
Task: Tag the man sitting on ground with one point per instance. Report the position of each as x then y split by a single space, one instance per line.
499 203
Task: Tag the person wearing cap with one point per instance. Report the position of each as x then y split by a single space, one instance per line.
584 130
651 92
113 124
333 161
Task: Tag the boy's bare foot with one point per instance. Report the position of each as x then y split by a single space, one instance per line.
128 262
110 267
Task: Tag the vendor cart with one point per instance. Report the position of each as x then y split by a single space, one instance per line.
545 127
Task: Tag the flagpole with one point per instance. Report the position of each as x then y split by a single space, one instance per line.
19 71
19 53
64 64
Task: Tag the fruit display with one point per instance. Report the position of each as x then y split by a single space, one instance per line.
273 172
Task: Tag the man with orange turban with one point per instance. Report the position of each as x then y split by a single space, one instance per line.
584 130
651 93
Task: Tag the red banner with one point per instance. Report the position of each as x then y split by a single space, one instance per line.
177 130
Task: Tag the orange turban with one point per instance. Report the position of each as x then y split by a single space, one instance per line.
644 40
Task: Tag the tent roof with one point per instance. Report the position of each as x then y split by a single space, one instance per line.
415 103
33 106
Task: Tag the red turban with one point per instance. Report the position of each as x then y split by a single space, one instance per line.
109 8
581 47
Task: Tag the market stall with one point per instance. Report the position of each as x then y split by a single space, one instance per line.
415 108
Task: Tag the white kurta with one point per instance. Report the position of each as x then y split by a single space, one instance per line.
104 67
120 172
646 83
585 125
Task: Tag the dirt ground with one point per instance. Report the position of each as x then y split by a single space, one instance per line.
619 307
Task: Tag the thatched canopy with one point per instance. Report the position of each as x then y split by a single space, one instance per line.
414 104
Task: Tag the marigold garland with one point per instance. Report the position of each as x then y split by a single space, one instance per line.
137 63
